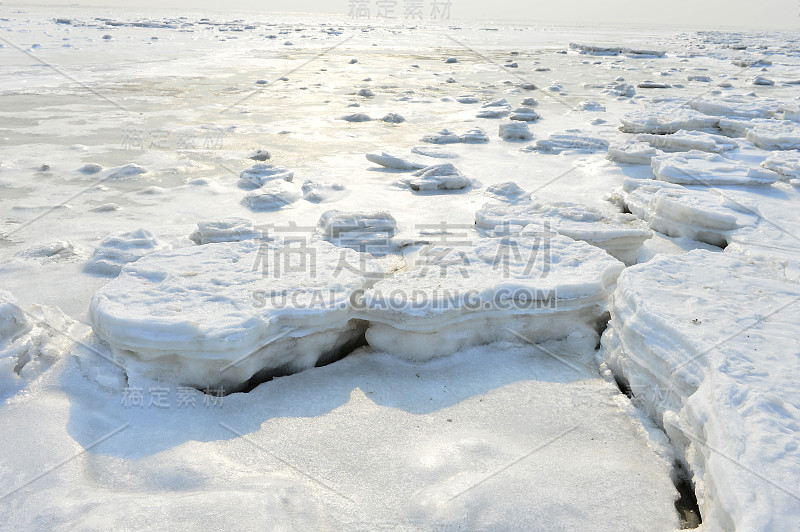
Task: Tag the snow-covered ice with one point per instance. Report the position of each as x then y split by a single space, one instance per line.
709 169
225 230
689 140
117 250
442 177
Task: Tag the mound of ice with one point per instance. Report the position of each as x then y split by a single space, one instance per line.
515 131
357 117
393 118
689 140
90 168
631 152
392 161
260 173
215 316
620 90
727 400
736 106
589 105
320 192
226 230
127 171
653 85
677 211
467 98
259 155
621 235
439 177
559 143
777 135
272 196
434 151
524 114
58 250
735 127
118 250
31 340
709 169
494 112
591 49
785 163
370 232
445 136
508 191
663 119
530 288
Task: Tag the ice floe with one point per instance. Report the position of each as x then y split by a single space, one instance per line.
445 136
118 250
663 119
225 230
709 169
631 152
785 163
439 177
560 143
272 196
621 235
508 191
370 232
520 288
218 315
515 131
261 173
321 191
689 140
727 400
394 162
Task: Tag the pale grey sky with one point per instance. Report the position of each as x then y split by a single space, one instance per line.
767 14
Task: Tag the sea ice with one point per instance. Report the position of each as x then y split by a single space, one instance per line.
670 118
524 114
273 196
632 152
118 250
215 316
370 232
727 400
785 163
225 230
439 177
321 191
709 169
508 191
260 173
621 235
560 143
689 140
775 135
515 131
392 161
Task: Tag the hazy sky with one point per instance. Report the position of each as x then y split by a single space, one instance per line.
777 14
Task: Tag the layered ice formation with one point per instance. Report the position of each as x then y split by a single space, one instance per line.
272 196
708 345
775 135
215 316
621 235
261 173
664 119
689 140
394 162
709 169
370 232
785 163
530 288
226 230
445 136
118 250
678 211
632 152
560 143
515 131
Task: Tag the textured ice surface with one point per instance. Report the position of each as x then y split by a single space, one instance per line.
217 315
272 196
515 131
736 106
445 136
709 169
560 143
443 176
785 163
535 287
621 235
118 250
708 344
775 135
524 114
678 211
260 173
689 140
508 191
226 230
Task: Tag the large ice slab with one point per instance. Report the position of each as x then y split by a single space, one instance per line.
775 135
445 136
440 177
118 250
534 287
261 173
689 140
709 169
678 211
785 163
210 316
569 143
394 162
663 119
744 107
632 152
371 232
621 235
708 343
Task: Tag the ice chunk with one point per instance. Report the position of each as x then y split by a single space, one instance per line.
591 49
785 163
127 171
775 135
589 105
653 85
515 131
662 119
445 136
559 143
620 90
259 155
394 162
118 250
434 151
475 136
226 230
215 316
631 152
709 169
357 117
319 191
494 112
260 173
439 177
689 140
736 106
677 211
393 118
90 168
371 232
621 235
677 336
272 196
524 114
31 340
521 288
468 98
508 191
58 250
